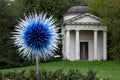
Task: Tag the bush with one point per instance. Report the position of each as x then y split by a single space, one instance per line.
44 75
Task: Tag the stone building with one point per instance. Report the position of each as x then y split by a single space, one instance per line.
84 36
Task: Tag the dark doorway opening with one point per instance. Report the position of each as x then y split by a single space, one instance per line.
83 50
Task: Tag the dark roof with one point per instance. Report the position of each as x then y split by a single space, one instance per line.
78 9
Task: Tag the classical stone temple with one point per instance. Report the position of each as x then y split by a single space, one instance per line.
84 36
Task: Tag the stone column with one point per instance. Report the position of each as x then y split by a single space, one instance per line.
67 44
77 45
95 44
104 45
63 42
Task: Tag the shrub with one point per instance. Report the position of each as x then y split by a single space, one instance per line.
1 76
44 75
91 75
74 75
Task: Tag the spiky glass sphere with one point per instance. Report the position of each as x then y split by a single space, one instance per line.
36 35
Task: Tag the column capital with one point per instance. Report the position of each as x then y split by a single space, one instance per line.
77 30
104 30
95 30
67 30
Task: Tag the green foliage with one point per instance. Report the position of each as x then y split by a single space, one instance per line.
109 11
12 10
90 75
75 74
105 69
44 75
8 57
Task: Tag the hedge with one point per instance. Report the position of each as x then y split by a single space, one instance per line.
49 75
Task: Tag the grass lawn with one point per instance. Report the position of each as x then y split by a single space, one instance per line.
110 69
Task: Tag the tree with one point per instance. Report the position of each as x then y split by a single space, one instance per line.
109 11
8 56
12 10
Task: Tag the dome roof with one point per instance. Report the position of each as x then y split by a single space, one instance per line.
78 9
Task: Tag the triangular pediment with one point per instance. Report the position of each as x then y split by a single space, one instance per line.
85 18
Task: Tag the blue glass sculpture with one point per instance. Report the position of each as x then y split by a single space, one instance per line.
36 36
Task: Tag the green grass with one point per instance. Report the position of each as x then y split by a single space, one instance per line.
110 69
